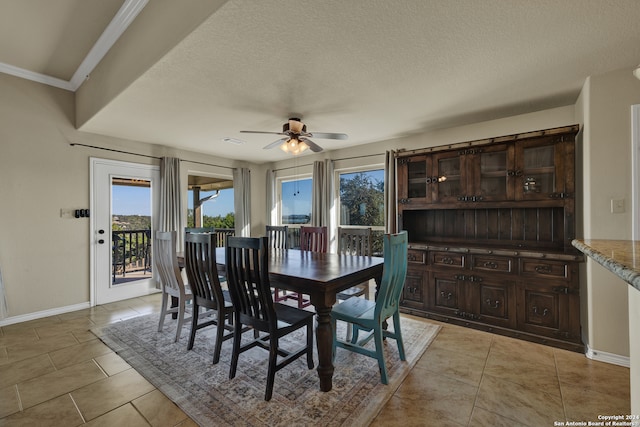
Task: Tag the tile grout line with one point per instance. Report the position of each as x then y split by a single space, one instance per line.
77 408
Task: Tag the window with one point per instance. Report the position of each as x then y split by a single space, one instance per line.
295 206
296 202
361 202
210 202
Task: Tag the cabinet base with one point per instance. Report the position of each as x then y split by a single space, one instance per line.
577 347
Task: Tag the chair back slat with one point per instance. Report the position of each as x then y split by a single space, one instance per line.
167 262
393 275
313 239
277 236
354 241
248 280
201 268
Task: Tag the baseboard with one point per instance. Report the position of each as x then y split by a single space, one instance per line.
603 356
45 313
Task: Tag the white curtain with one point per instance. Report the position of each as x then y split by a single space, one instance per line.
321 197
391 211
170 196
4 312
242 201
271 198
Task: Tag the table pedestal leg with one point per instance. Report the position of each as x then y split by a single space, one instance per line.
324 341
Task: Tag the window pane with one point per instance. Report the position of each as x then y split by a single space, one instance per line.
296 201
217 212
362 198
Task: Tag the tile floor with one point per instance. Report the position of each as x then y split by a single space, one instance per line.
54 372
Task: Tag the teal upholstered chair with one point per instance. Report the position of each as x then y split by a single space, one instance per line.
369 316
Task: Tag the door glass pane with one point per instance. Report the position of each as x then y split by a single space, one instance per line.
130 230
417 185
493 173
539 170
449 184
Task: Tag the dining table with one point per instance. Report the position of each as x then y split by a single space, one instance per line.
321 276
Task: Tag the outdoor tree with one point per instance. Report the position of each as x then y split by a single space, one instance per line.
362 200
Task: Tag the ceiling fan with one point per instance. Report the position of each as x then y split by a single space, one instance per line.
296 138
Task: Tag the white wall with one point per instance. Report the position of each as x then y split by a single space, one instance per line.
44 259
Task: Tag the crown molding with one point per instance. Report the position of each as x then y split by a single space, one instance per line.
120 22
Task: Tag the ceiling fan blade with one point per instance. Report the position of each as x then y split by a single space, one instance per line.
275 143
295 126
324 135
312 145
259 131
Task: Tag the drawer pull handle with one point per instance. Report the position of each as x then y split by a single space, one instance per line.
496 304
490 264
544 312
543 269
447 296
447 260
411 257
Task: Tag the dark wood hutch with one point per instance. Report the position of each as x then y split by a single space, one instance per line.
490 225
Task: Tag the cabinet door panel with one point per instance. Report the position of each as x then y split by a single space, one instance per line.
413 293
540 169
444 293
541 309
450 182
495 303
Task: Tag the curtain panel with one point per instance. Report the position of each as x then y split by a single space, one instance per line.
4 312
271 198
391 210
170 196
242 201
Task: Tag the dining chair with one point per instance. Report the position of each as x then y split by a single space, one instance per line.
247 263
278 238
313 239
199 230
355 241
369 316
171 279
204 281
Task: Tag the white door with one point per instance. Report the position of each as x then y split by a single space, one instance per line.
124 206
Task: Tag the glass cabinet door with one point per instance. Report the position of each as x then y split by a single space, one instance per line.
449 178
540 170
414 180
491 178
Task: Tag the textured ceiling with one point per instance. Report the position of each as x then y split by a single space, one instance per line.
374 69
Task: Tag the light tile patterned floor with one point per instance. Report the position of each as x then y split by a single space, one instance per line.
53 372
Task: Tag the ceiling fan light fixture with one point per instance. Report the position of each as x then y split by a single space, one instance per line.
636 72
293 146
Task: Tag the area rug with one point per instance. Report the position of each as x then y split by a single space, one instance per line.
205 392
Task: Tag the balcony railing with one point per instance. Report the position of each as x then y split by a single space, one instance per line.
131 253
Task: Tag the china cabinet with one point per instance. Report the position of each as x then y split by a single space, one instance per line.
490 225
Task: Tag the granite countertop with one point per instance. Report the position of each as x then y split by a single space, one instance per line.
621 257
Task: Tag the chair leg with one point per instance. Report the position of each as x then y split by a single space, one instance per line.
380 355
219 336
237 336
310 345
271 373
181 310
194 326
398 335
163 310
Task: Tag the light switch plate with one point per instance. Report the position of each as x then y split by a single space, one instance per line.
617 206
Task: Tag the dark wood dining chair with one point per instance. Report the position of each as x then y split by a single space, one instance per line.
204 281
370 316
171 279
199 230
278 238
314 239
247 263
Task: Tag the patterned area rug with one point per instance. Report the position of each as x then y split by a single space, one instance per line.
205 392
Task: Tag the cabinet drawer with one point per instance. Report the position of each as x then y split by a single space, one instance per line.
545 269
416 257
447 259
492 263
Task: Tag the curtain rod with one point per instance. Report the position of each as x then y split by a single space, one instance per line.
73 144
344 158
